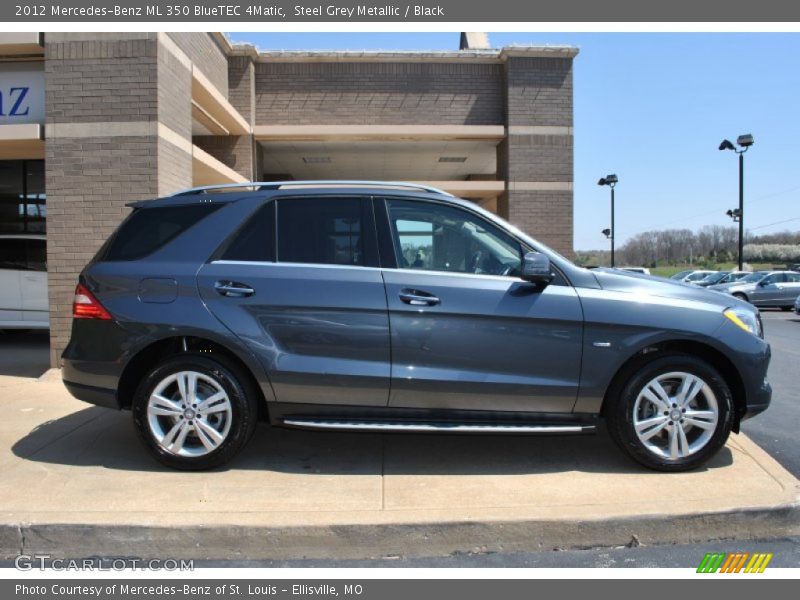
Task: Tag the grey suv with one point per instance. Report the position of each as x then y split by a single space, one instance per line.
394 307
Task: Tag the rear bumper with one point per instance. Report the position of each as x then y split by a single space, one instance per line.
93 395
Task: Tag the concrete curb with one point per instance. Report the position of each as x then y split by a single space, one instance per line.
375 541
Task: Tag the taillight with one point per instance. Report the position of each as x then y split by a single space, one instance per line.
86 306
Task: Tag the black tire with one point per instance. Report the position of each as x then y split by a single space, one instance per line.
240 392
740 296
622 403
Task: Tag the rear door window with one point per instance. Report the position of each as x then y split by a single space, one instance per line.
12 254
36 255
255 241
329 231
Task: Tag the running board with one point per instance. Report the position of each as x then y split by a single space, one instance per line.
439 427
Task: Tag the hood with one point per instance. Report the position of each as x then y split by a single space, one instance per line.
635 283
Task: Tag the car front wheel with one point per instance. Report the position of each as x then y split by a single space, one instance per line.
673 414
194 412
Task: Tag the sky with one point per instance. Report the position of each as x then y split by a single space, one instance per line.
653 108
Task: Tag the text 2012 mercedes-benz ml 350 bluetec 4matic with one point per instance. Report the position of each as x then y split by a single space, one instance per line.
391 307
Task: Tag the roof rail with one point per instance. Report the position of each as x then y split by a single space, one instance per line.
277 185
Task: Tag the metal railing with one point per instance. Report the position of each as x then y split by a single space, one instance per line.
277 185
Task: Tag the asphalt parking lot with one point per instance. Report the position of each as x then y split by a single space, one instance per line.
776 429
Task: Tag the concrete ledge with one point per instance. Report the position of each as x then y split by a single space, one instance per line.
378 132
408 540
21 43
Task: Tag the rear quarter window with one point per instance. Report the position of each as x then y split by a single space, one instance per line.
148 229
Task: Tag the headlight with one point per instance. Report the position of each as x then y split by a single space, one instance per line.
744 318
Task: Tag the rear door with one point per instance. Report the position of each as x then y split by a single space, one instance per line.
790 289
300 284
12 263
33 282
467 332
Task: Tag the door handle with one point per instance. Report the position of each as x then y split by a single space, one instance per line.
233 289
418 298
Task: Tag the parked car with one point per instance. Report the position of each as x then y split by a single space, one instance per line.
733 277
696 276
776 289
679 276
394 307
640 270
23 282
749 278
711 278
721 277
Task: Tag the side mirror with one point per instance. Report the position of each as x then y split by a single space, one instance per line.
763 283
536 268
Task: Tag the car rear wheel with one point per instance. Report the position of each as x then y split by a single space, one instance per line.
194 412
740 296
673 414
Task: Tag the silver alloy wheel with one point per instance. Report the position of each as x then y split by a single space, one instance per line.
189 414
675 415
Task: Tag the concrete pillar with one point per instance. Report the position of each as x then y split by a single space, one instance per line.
118 128
536 158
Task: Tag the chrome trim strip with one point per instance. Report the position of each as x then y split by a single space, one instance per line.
328 266
434 427
258 263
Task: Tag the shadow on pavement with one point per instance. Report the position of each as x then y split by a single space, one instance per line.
24 353
101 437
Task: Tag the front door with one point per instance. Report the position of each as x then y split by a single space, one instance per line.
467 332
311 304
767 291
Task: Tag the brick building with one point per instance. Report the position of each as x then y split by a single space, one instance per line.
92 121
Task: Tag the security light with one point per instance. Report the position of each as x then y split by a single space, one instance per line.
608 180
734 214
726 145
316 160
746 140
606 232
452 159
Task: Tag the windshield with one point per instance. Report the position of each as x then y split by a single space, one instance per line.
697 276
680 275
714 277
753 277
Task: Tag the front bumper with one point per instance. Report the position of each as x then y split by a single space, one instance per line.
758 400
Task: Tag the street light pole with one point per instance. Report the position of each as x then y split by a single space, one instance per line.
613 229
744 142
611 181
741 210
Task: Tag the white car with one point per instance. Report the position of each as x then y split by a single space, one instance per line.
23 282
